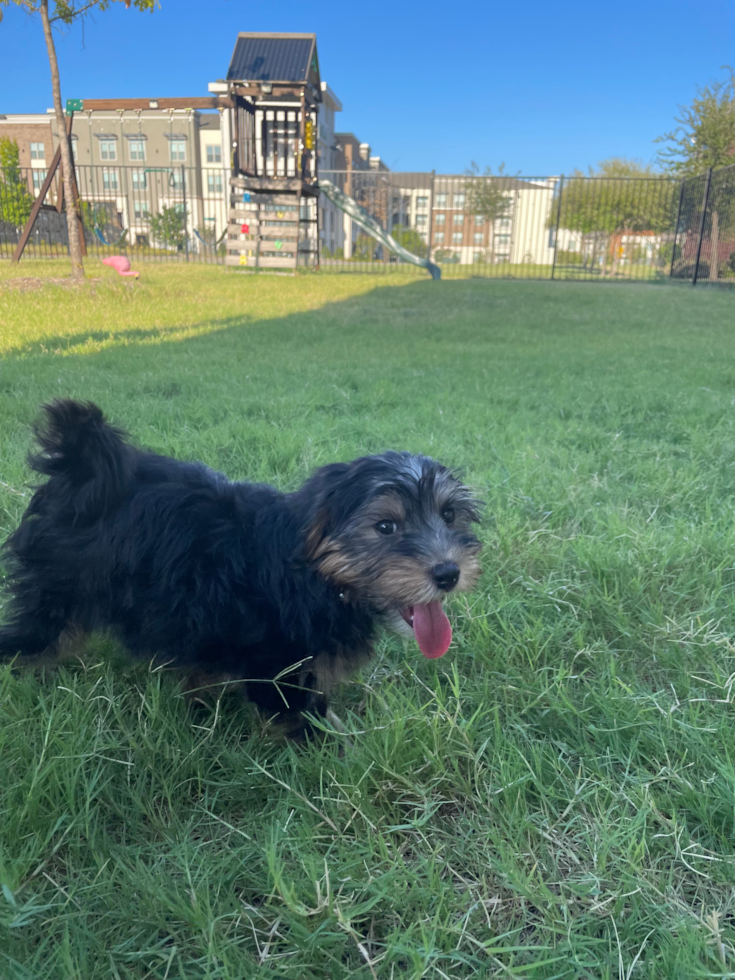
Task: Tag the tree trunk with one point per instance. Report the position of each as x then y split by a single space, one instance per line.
72 222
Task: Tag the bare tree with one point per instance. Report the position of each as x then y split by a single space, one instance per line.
67 12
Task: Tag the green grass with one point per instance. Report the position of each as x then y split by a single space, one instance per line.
554 798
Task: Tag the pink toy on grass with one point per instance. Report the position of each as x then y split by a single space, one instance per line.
121 264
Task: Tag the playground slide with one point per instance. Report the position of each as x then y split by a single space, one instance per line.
371 226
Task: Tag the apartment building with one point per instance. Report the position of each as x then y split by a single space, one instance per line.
518 234
33 134
131 164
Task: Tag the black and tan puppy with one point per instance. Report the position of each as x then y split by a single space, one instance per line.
283 592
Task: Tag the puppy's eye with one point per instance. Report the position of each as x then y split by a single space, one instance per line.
448 515
386 527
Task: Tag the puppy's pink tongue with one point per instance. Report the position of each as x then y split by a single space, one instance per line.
432 628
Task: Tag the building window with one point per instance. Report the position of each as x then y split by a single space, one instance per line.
478 238
108 150
504 223
439 237
109 179
459 219
74 150
439 219
459 200
139 180
214 155
502 240
140 209
136 149
178 151
214 183
478 257
422 202
175 180
421 219
37 151
38 178
457 238
479 219
440 200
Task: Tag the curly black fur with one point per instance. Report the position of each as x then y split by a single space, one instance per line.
283 592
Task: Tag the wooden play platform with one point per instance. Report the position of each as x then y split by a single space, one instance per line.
274 85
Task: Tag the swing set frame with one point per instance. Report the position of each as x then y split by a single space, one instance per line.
58 208
79 105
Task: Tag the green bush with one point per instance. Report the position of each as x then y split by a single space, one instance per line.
410 240
15 200
168 227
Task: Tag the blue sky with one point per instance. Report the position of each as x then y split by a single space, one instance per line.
543 87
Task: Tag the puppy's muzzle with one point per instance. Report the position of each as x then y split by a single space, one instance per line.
445 575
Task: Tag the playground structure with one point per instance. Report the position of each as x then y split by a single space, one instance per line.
272 95
274 84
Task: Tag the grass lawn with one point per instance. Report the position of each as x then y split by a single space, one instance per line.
554 798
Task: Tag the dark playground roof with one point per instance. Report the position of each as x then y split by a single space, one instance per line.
275 58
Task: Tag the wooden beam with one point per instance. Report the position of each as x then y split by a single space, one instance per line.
193 102
255 91
37 205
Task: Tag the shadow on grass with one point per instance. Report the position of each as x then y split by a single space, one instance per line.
408 300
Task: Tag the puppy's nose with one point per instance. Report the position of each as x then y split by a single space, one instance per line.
446 575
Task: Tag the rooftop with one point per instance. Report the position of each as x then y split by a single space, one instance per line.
275 58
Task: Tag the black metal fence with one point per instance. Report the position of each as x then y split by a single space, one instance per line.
582 228
507 227
704 244
151 213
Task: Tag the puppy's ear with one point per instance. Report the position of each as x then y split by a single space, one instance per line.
324 510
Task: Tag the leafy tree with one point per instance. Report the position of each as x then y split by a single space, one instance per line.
15 200
410 240
168 227
364 248
705 136
604 209
489 195
66 12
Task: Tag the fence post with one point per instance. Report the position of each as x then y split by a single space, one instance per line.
701 226
431 217
186 223
556 231
676 227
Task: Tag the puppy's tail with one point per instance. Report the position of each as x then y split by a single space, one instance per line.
78 446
